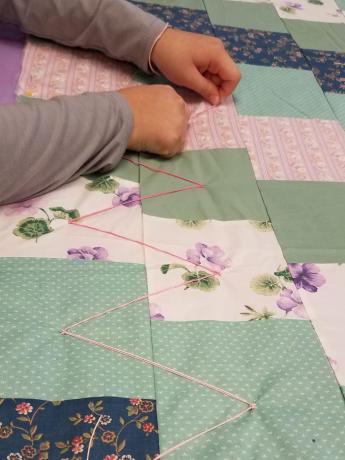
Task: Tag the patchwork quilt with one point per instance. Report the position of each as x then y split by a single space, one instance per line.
190 308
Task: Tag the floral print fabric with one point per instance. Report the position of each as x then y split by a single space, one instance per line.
262 48
328 68
111 428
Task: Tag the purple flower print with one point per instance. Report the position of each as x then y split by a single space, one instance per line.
289 300
307 276
155 312
87 253
211 257
126 197
24 207
296 6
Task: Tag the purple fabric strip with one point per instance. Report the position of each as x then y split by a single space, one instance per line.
12 42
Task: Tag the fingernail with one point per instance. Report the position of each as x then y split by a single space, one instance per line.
215 100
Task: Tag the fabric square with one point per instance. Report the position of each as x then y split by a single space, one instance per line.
328 68
250 267
265 91
310 10
55 237
261 47
279 364
337 102
54 429
259 16
70 71
294 148
210 202
53 294
328 322
308 219
187 19
317 35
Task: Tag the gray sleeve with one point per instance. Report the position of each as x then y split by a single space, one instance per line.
115 27
46 144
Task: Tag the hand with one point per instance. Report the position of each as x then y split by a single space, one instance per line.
197 62
160 119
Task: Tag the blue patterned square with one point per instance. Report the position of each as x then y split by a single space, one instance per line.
328 68
108 428
273 49
186 19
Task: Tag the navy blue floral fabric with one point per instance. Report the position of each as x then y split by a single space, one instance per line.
126 429
258 47
328 68
196 21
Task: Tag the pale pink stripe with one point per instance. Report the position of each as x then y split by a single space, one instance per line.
312 174
48 71
258 149
333 170
234 121
73 60
93 75
28 58
282 154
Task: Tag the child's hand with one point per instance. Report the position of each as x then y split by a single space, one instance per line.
198 62
160 119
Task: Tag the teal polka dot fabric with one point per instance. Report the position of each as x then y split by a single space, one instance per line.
278 364
41 296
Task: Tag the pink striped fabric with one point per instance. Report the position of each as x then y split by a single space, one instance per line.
294 148
279 148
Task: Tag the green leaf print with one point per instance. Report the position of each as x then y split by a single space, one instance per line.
61 213
256 315
285 274
262 225
265 284
104 184
200 280
32 228
192 223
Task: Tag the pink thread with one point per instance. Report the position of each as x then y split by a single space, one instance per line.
145 197
141 243
131 302
162 171
92 436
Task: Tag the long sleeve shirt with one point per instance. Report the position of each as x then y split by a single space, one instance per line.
49 143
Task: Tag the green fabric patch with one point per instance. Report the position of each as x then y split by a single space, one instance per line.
317 35
277 92
227 175
260 16
341 4
127 170
278 364
192 4
39 297
337 102
308 219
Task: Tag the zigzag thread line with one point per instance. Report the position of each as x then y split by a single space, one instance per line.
67 331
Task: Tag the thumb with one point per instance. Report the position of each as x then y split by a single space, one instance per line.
202 85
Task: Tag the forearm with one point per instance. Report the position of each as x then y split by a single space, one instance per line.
115 27
46 144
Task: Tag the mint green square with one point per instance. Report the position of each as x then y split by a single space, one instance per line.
308 219
277 92
279 364
317 35
230 191
41 296
337 102
260 16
